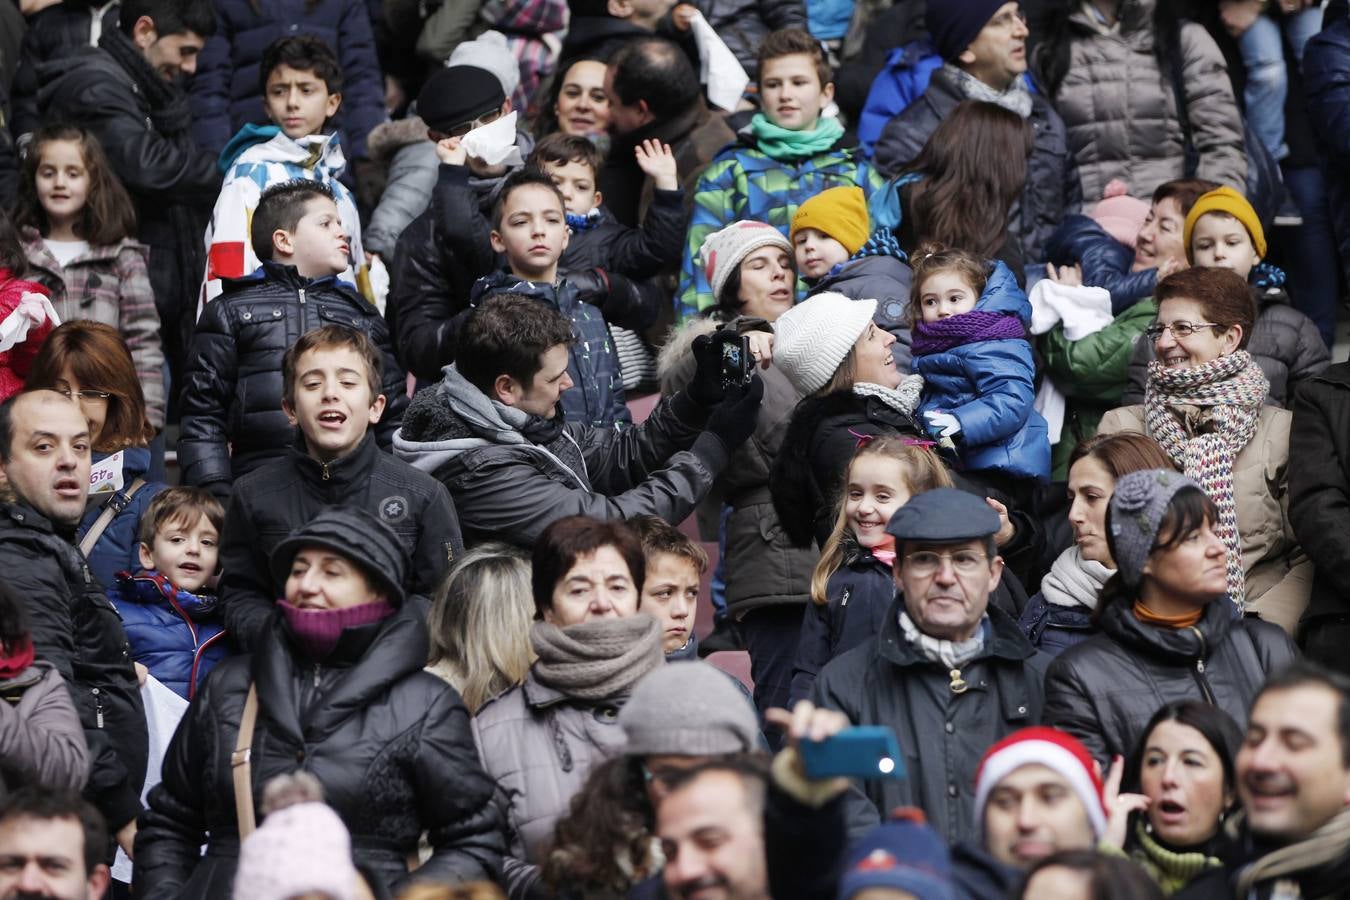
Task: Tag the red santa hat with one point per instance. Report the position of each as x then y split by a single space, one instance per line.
1058 751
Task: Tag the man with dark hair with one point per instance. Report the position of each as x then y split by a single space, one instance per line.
331 393
127 93
1293 778
51 845
654 94
984 52
492 432
44 453
726 798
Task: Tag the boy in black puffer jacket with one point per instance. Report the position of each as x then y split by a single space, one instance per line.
232 413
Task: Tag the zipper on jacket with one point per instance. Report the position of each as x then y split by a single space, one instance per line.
1200 678
197 660
301 293
98 707
326 473
316 674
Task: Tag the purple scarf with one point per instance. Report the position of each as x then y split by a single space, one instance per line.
317 630
967 328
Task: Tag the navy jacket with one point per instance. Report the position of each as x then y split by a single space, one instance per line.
990 387
225 91
231 401
175 634
1106 262
596 397
859 593
1053 629
1326 83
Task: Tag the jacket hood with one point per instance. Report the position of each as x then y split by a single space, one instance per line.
152 588
562 295
1176 645
1003 295
388 138
863 267
450 419
1134 15
269 144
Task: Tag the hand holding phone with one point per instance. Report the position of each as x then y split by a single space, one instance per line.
864 751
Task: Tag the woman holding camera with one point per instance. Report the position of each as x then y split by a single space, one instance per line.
750 269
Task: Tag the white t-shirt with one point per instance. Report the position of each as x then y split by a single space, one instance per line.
65 251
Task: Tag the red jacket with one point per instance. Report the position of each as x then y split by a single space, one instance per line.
16 362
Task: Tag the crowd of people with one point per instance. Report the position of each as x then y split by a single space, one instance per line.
716 450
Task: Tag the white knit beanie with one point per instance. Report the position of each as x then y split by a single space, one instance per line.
722 251
489 51
815 337
301 849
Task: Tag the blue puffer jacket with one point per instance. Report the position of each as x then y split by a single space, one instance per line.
990 387
118 548
596 397
902 81
1106 262
859 594
225 91
175 634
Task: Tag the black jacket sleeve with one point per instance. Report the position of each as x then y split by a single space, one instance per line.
394 385
655 245
426 300
1319 486
460 221
208 391
246 593
438 542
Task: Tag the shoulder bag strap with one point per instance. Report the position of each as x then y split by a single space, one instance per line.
116 503
242 768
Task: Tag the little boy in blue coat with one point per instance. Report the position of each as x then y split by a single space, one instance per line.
172 623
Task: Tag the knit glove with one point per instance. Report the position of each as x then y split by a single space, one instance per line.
706 388
734 419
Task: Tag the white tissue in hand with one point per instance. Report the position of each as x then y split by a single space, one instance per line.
495 142
719 68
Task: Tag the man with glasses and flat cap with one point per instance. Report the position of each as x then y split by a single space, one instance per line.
949 672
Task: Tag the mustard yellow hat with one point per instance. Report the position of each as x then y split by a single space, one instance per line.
839 212
1224 200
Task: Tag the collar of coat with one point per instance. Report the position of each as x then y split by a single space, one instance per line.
344 474
1006 641
1177 645
399 644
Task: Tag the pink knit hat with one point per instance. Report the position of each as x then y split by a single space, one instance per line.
297 850
1119 214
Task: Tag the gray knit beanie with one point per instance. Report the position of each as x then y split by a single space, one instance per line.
1137 509
688 709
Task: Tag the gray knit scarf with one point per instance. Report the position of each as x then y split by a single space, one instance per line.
1326 845
1015 99
904 399
1074 581
599 659
950 654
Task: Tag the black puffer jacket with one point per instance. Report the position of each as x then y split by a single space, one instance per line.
943 734
1285 344
52 33
232 417
390 744
1104 690
1319 488
272 501
76 629
1052 191
821 439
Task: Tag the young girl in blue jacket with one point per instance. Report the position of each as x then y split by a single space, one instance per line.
970 346
851 588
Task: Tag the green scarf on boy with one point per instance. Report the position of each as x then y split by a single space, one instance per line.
782 144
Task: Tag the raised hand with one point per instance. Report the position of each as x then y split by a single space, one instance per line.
657 160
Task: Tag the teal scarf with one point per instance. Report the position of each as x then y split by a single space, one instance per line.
783 144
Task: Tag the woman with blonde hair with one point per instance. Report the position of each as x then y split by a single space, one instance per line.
480 624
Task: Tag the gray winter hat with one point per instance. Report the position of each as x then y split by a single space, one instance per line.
688 709
1137 509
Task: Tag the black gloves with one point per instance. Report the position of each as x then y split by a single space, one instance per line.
706 388
733 420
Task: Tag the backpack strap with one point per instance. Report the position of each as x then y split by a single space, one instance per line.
241 765
111 510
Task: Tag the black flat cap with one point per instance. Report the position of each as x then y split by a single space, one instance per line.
356 535
943 516
457 95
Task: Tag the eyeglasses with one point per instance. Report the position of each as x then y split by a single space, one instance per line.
83 395
1178 329
926 562
461 130
1009 20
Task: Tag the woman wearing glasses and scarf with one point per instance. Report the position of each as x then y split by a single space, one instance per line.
1205 404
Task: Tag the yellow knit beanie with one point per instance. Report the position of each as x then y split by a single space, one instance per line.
1224 200
839 212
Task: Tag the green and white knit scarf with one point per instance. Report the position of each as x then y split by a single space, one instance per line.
1233 388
